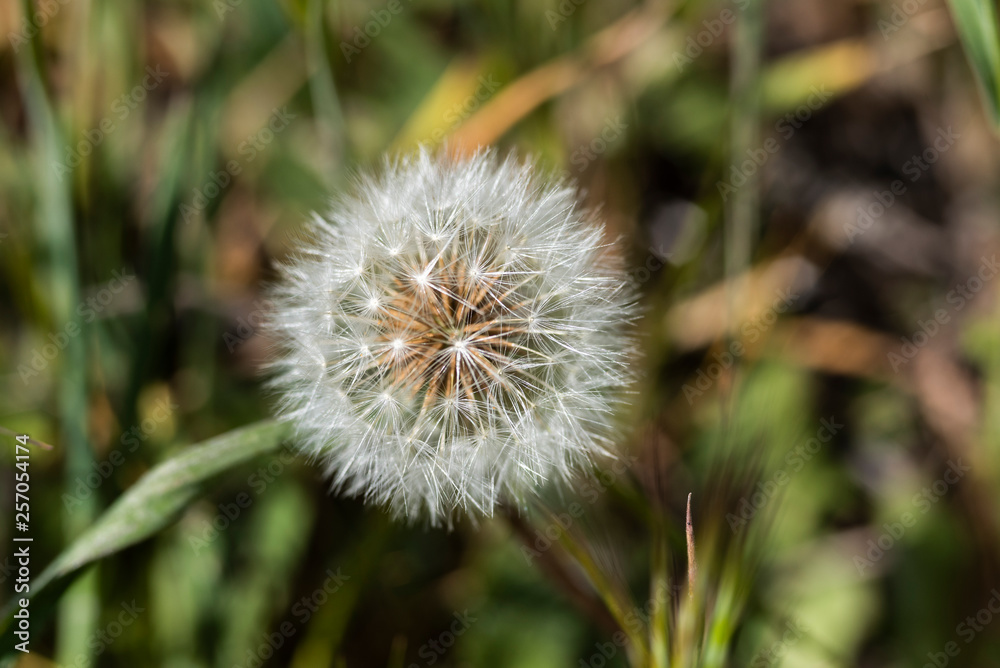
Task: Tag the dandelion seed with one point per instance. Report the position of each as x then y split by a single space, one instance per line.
453 335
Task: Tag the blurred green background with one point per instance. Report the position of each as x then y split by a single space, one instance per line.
806 190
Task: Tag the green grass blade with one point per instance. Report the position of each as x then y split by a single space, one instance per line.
146 508
976 21
742 216
659 595
56 232
615 599
323 90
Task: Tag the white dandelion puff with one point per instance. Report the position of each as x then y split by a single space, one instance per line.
453 335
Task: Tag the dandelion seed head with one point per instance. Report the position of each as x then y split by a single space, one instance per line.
453 335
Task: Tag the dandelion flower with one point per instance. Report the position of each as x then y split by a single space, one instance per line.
453 334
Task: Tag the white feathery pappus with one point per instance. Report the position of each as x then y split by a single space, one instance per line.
453 334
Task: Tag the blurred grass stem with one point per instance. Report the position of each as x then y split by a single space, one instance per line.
54 216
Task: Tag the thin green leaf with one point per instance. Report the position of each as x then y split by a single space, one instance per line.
976 21
659 635
56 228
615 599
146 508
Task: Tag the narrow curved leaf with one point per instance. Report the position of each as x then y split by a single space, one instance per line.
153 503
976 21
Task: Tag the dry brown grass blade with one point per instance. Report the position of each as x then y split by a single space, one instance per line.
836 347
706 317
524 95
43 445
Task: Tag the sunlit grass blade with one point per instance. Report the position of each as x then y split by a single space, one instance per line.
724 617
976 21
659 589
146 508
616 600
